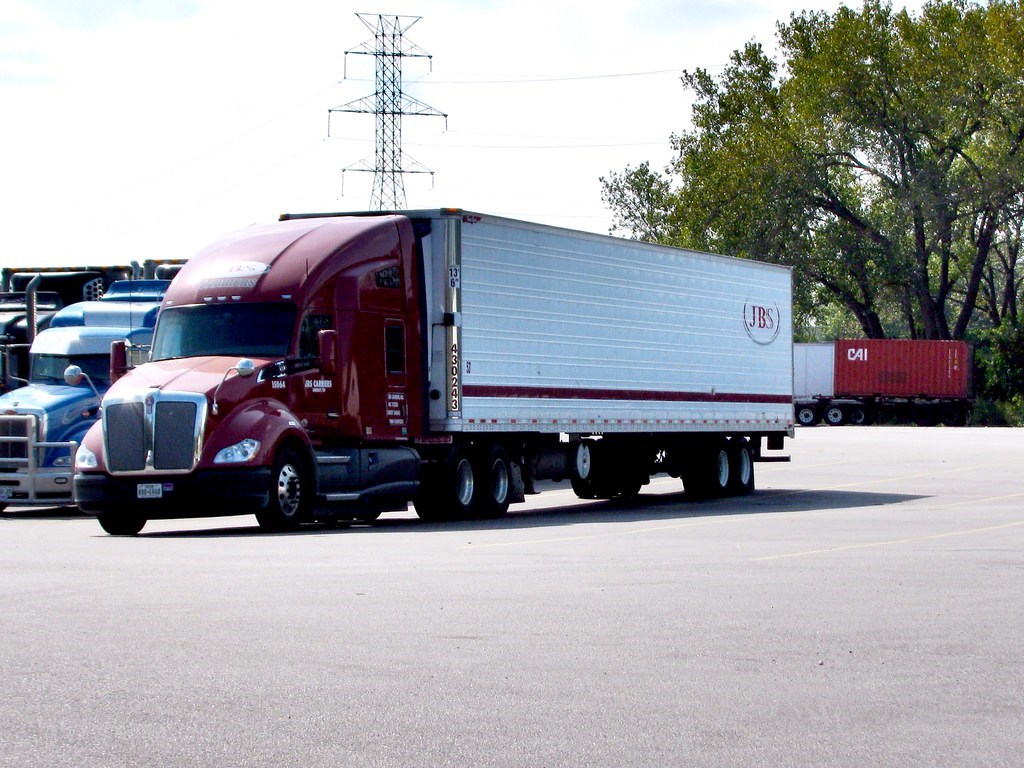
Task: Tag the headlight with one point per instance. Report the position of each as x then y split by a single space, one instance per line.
85 459
237 453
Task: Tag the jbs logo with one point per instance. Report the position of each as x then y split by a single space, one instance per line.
762 322
855 355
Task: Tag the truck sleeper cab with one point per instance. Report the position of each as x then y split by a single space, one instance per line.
333 367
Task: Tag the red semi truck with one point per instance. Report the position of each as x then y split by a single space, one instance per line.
334 366
856 381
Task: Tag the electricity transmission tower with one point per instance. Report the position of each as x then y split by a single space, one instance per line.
389 104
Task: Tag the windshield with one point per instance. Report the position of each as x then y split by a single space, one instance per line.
232 330
49 369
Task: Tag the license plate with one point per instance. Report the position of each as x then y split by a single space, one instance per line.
150 491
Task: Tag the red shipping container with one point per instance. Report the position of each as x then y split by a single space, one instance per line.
902 368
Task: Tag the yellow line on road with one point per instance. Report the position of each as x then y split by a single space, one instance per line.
869 545
891 542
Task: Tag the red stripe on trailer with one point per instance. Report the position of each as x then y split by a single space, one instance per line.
572 393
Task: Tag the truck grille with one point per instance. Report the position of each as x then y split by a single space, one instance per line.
15 432
162 434
126 437
174 443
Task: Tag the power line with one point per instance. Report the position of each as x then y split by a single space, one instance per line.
554 79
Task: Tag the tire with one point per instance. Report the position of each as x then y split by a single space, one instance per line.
721 471
950 416
741 470
493 483
121 525
924 416
290 494
449 491
807 415
707 473
835 416
859 416
630 489
581 470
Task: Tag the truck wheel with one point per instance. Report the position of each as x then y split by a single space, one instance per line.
741 469
291 492
494 483
807 415
835 416
121 525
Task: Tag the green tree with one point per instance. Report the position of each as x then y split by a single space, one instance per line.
882 160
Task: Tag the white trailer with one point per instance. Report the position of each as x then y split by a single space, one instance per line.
645 358
558 330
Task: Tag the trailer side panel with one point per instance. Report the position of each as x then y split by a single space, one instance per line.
566 331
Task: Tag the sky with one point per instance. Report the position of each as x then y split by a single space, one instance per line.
145 129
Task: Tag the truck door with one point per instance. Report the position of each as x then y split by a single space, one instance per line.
315 395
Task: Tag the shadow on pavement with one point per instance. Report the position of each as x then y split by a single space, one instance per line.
650 507
42 513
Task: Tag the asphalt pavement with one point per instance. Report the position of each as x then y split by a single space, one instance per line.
861 608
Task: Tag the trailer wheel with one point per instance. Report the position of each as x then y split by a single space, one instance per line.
494 483
290 494
741 470
121 525
835 416
721 471
581 470
807 415
630 488
706 474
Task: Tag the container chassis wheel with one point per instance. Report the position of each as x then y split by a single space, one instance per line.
835 416
807 415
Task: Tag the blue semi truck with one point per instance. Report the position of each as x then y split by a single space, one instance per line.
43 421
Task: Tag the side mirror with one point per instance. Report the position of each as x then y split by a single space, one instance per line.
245 367
118 360
73 375
328 343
